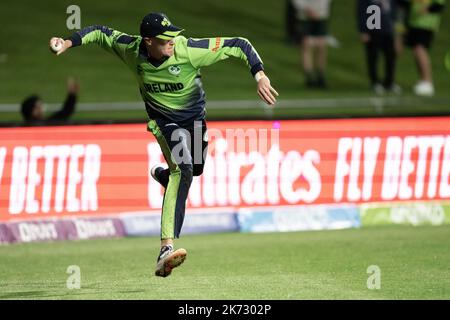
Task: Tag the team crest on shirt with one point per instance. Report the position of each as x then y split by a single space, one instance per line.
175 70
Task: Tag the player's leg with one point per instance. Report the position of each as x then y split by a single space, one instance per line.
423 63
372 50
308 61
307 55
198 149
199 146
390 60
322 48
175 146
425 86
174 142
420 41
321 35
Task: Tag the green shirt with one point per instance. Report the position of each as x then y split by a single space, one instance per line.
172 89
428 21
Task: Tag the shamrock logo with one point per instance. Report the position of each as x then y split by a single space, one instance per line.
165 22
175 70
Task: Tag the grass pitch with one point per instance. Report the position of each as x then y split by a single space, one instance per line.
414 264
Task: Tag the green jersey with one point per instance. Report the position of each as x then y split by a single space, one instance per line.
171 89
429 20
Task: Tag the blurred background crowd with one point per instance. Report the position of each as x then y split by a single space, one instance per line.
385 27
341 58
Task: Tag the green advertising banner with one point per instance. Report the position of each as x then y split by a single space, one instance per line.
405 213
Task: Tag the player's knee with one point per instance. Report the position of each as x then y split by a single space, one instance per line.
198 170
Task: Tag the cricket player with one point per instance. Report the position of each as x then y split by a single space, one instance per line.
167 69
313 17
423 20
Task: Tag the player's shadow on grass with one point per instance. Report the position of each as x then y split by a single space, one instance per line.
24 294
47 294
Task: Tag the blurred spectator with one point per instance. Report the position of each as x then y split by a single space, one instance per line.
314 16
33 111
422 22
294 34
380 40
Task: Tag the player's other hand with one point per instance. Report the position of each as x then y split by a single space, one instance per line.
73 87
265 91
365 37
59 45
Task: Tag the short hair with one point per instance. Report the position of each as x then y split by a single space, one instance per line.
27 107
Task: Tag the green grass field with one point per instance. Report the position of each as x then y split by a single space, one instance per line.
414 264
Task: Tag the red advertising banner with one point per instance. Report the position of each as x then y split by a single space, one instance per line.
104 169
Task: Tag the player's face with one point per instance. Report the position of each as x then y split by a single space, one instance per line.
166 47
38 110
163 47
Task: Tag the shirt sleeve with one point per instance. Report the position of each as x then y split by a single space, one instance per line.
67 109
205 52
111 40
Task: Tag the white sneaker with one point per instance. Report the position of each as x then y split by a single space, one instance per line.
424 88
378 89
395 89
168 260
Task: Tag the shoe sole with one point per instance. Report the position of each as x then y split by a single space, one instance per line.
172 261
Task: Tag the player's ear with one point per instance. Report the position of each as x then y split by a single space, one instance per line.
148 41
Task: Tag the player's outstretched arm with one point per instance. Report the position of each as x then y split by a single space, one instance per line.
59 45
205 52
113 41
265 91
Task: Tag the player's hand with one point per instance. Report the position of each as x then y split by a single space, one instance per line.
59 45
365 37
266 92
73 87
